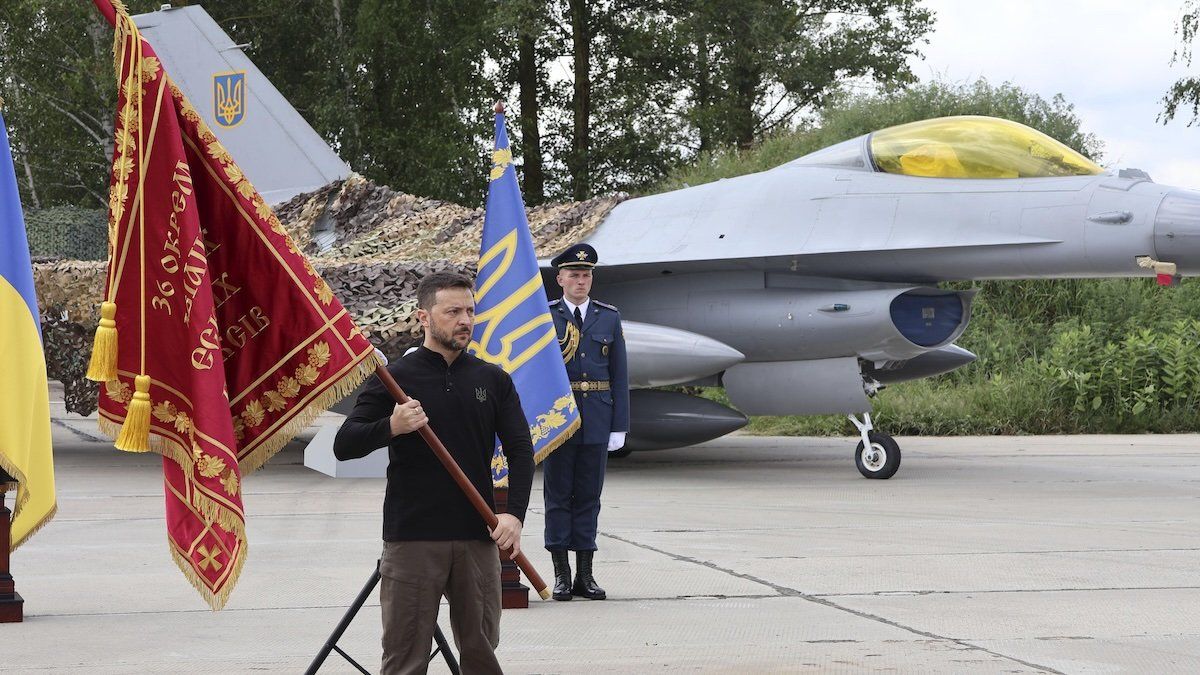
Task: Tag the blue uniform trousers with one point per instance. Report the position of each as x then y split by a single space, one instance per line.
573 476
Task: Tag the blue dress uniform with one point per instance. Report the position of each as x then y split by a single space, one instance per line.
594 354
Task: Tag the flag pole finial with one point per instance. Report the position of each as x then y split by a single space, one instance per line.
499 107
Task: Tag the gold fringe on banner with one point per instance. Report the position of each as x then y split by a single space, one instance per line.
336 392
216 601
22 497
559 440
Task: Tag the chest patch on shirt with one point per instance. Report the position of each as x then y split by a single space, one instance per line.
481 394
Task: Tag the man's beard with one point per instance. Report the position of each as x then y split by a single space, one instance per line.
447 340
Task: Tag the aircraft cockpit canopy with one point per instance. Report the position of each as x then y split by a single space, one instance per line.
958 147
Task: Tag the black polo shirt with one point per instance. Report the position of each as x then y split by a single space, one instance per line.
469 404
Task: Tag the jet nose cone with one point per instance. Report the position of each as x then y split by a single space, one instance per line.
1177 230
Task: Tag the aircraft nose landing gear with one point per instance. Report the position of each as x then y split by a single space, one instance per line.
877 454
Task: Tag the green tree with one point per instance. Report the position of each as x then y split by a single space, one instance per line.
57 81
306 50
756 64
397 87
614 124
1185 92
526 40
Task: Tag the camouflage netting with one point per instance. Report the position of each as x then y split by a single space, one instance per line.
67 232
380 244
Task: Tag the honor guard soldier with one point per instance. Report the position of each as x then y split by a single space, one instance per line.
593 347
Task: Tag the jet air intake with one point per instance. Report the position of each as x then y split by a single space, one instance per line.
928 319
1177 230
882 324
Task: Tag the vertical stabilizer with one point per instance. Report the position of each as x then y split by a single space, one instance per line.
279 152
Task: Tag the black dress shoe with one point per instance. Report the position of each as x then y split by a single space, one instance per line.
585 585
562 575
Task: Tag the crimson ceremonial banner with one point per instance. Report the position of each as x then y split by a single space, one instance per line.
218 341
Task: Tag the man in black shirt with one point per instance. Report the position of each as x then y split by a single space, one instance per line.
435 543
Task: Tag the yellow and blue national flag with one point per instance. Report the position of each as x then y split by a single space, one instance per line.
513 327
24 399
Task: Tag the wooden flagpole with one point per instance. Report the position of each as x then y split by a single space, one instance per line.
11 603
464 483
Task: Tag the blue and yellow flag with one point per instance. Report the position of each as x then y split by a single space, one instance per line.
513 327
24 399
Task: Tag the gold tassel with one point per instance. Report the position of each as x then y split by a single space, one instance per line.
135 433
103 366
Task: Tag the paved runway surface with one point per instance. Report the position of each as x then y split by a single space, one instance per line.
1013 555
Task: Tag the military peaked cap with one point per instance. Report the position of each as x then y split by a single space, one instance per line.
578 257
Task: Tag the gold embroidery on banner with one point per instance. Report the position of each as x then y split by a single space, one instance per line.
364 364
165 412
210 466
288 387
500 161
208 558
183 423
253 413
150 68
230 483
307 375
233 173
323 291
499 463
118 391
553 419
318 356
274 401
254 224
264 211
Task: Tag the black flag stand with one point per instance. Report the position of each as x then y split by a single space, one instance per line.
331 644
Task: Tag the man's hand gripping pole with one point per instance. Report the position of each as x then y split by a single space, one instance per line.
464 483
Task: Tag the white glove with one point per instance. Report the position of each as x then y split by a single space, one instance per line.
616 440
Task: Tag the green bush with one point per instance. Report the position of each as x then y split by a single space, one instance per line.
1065 356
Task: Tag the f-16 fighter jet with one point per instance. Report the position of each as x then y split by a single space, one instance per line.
807 287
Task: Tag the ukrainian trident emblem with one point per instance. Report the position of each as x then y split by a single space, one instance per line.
481 394
229 98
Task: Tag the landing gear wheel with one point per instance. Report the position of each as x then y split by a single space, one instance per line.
621 454
881 460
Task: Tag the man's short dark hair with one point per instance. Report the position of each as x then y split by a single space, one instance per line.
432 283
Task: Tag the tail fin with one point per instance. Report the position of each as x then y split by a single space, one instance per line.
279 152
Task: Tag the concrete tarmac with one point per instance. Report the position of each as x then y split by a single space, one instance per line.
744 555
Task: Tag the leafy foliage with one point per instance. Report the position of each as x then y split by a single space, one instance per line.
1062 356
59 91
1185 92
619 92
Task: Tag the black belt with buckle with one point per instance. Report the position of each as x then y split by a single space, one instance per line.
595 385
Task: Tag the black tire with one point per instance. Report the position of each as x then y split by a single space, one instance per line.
886 464
621 454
